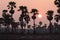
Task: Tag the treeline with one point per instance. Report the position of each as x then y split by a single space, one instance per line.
10 25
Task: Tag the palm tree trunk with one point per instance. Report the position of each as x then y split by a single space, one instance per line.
34 26
22 27
34 22
50 27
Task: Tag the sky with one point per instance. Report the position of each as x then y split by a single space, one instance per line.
42 5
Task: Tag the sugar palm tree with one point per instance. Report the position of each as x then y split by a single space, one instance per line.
35 12
6 18
57 2
23 16
50 17
11 6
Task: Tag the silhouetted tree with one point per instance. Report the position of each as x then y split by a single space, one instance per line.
7 18
24 16
11 6
50 17
57 3
57 17
35 12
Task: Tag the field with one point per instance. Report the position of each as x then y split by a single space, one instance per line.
30 37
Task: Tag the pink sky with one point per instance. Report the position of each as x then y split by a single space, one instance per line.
42 5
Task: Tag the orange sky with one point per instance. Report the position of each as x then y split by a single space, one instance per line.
42 5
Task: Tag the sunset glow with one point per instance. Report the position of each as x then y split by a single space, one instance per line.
40 16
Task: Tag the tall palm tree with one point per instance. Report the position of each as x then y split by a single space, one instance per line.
50 17
7 18
57 2
35 12
24 15
11 6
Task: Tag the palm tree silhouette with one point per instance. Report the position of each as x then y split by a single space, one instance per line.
11 6
7 18
50 17
57 2
24 15
35 12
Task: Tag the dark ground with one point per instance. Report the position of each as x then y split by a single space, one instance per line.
29 37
